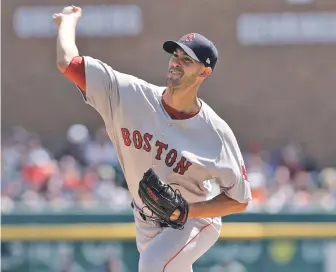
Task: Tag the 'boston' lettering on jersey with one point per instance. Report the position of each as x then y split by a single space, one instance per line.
143 142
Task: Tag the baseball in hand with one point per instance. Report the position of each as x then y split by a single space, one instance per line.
67 10
72 11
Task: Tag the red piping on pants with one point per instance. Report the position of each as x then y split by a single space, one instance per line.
164 268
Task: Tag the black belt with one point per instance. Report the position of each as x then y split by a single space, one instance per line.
147 218
143 216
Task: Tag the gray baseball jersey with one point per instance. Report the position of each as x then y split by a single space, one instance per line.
198 156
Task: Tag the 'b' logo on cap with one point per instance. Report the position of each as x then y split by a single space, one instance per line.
189 37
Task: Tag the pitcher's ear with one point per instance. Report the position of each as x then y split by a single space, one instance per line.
206 72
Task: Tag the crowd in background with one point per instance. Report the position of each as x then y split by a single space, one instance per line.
87 174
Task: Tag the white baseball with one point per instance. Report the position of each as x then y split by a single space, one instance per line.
67 10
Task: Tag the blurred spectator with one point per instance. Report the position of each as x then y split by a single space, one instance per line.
114 264
100 149
77 138
87 174
287 180
258 174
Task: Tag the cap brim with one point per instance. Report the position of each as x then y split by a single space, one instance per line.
170 47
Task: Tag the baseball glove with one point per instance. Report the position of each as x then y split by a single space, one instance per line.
162 200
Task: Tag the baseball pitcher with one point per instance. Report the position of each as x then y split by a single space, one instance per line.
181 161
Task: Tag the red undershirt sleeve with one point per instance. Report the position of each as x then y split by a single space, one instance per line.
76 72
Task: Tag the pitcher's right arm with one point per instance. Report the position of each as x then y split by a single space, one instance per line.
68 60
101 85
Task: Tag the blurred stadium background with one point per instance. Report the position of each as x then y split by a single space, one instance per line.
64 201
